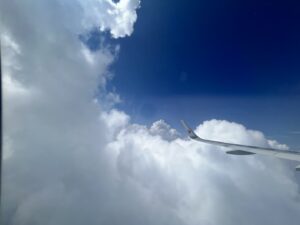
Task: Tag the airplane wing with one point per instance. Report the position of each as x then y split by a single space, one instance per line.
238 149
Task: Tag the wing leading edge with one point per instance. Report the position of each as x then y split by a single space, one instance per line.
238 149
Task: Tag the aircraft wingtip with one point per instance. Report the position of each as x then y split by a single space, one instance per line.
189 130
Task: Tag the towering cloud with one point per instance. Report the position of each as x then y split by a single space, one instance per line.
72 159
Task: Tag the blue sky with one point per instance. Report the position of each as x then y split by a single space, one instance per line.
213 59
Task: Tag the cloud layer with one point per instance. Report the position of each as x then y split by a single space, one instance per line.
71 160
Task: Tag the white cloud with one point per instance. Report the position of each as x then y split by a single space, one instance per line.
164 130
117 17
71 160
204 185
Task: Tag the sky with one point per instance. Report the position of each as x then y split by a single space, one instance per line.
222 59
212 47
93 91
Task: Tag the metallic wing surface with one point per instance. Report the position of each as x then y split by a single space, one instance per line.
238 149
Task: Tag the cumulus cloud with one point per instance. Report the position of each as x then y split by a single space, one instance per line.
201 184
116 16
72 159
164 130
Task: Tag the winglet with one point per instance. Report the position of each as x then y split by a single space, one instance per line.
189 130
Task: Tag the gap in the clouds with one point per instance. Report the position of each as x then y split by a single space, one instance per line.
95 39
202 60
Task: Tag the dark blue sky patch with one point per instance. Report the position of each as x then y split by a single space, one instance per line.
95 39
223 47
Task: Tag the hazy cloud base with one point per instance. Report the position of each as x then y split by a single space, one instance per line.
71 159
